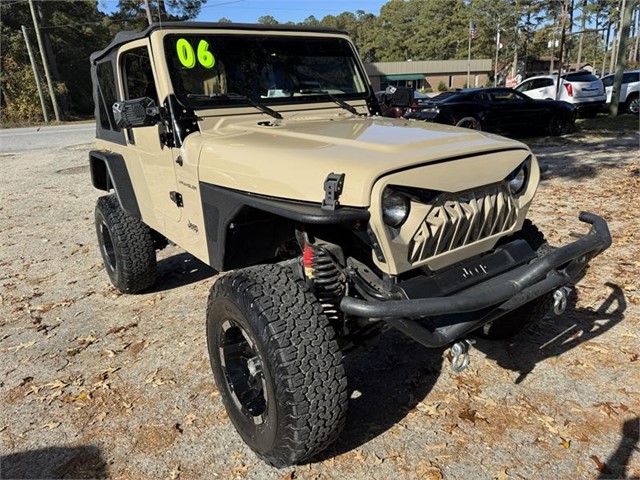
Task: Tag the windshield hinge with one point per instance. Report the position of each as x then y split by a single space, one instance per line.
332 190
176 198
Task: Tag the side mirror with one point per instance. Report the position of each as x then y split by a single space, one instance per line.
139 112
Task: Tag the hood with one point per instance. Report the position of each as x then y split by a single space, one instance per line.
292 159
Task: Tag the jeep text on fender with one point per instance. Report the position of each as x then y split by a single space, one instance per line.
259 150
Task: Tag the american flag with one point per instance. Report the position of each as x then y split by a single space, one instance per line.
473 29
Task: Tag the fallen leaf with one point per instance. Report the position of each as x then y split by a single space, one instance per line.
601 467
174 474
151 377
33 389
503 474
450 428
56 384
469 415
98 418
566 443
50 306
81 396
51 425
427 470
22 346
430 409
240 471
122 328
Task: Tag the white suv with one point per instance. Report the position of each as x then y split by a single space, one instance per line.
629 89
582 89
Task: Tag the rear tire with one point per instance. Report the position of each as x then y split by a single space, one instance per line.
633 105
530 313
277 363
126 245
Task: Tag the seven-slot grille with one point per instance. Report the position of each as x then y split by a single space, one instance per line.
456 220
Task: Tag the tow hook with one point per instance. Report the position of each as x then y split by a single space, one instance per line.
560 300
459 355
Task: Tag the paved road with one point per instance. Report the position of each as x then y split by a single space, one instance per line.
19 139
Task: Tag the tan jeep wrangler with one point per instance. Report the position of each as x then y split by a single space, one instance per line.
260 150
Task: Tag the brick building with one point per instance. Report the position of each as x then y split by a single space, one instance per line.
429 73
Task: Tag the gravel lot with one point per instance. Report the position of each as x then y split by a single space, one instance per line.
98 384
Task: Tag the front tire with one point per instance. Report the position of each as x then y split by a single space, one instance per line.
530 313
126 245
560 124
277 363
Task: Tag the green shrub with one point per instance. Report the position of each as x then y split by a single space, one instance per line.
442 87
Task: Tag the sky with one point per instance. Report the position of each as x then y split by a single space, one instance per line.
248 11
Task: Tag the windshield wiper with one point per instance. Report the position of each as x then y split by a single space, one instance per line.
336 100
243 98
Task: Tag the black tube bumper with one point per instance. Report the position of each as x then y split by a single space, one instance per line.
504 292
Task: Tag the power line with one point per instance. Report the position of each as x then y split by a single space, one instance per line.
221 4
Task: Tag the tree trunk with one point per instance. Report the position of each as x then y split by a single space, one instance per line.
621 62
637 35
606 47
583 22
616 37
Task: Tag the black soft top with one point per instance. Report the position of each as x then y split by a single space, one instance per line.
122 38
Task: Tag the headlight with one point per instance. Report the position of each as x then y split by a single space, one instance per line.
395 207
518 178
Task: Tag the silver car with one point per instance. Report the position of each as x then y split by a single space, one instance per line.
582 89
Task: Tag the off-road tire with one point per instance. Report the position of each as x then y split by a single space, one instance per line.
302 376
126 245
530 313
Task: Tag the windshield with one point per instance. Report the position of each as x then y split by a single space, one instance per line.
267 69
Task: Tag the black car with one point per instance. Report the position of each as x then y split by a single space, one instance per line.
499 110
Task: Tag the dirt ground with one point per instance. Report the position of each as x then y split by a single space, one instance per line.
98 384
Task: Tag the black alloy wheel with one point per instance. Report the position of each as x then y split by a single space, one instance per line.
560 124
243 371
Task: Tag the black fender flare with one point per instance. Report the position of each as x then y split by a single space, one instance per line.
109 171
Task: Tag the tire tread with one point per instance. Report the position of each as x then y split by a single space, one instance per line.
134 247
303 353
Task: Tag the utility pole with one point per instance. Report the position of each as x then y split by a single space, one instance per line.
44 62
149 17
469 57
495 68
514 70
36 74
